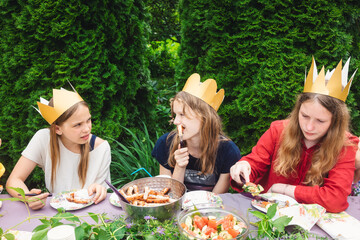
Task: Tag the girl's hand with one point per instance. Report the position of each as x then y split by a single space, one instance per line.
38 201
242 168
99 190
181 156
285 189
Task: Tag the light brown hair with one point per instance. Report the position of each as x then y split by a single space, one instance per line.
55 149
325 157
210 130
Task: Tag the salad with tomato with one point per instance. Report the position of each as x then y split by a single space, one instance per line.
211 227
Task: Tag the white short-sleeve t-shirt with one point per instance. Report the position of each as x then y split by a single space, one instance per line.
67 178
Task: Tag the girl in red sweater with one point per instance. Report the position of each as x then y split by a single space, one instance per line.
311 155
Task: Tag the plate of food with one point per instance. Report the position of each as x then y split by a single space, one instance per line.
200 197
72 200
280 199
114 200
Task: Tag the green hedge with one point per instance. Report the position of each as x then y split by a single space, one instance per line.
99 46
258 52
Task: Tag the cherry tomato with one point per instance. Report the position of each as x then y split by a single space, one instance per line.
233 232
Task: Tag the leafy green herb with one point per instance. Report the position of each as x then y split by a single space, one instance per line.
267 227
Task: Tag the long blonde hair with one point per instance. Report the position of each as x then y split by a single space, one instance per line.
55 149
210 130
325 157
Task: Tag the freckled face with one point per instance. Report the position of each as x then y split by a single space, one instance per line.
314 120
77 128
190 122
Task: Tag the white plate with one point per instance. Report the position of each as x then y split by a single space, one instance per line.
114 200
59 200
276 196
201 197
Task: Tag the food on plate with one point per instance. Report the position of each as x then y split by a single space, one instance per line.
149 197
72 197
267 204
253 188
211 227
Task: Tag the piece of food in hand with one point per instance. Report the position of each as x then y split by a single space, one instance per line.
180 133
253 188
180 130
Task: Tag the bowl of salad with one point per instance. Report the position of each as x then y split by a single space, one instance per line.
212 223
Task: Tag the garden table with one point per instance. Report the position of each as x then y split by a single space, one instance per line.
16 212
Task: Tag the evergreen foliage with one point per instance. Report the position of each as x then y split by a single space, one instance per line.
258 52
99 46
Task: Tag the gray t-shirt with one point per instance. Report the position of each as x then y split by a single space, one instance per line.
38 151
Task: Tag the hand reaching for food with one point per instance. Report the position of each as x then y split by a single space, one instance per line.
240 169
97 191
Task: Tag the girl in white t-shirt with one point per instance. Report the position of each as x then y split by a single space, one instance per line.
64 152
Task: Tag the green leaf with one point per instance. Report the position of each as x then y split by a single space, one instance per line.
39 235
119 233
262 228
281 223
41 227
102 235
9 236
272 210
61 210
73 219
45 221
94 217
19 190
58 224
79 233
259 214
150 237
86 227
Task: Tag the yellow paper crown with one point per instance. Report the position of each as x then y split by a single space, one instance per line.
334 83
62 101
2 170
206 91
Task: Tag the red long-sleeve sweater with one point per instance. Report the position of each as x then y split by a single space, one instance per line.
337 185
